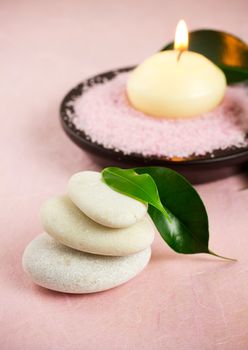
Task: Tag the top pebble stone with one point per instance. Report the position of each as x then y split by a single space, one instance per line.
102 204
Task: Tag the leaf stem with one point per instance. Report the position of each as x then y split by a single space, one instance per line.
163 211
221 257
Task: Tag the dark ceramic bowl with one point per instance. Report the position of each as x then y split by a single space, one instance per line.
219 164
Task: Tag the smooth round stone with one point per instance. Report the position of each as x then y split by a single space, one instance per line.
57 267
70 226
97 200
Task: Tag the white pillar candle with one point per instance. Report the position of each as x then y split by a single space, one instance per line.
166 85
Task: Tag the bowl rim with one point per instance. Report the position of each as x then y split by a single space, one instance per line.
234 155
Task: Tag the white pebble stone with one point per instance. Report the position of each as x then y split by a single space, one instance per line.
102 204
70 226
57 267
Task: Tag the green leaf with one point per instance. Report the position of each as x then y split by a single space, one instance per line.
174 205
188 230
225 50
141 187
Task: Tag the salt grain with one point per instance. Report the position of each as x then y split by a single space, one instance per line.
105 115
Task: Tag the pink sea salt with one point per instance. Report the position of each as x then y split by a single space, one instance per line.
105 115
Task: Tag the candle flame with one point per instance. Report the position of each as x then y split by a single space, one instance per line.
182 36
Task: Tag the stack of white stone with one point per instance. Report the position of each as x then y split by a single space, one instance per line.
96 238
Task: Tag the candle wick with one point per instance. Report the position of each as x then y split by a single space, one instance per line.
179 55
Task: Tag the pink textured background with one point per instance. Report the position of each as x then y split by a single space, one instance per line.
178 302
